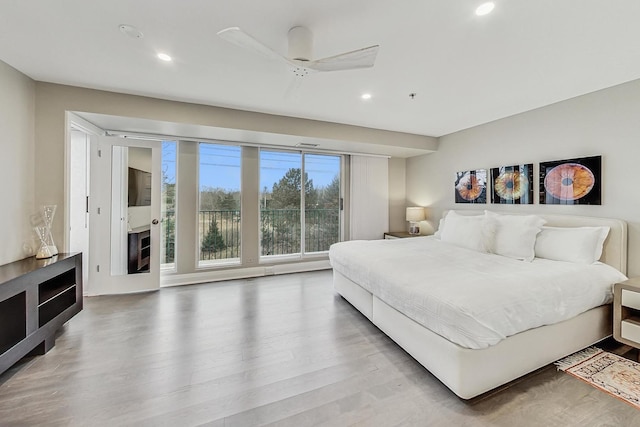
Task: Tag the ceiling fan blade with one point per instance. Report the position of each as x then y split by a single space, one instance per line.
361 58
292 91
238 37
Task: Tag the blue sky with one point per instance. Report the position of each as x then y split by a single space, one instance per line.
220 166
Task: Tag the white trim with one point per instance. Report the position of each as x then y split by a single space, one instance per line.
163 137
218 263
83 125
77 122
168 280
301 267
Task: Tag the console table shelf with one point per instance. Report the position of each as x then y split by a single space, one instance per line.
36 298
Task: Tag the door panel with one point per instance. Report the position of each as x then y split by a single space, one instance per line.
125 212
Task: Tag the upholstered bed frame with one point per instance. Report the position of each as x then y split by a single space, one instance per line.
469 372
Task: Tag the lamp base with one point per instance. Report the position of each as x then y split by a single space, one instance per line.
414 228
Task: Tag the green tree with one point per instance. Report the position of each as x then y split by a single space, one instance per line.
168 216
286 192
227 202
213 241
329 197
209 197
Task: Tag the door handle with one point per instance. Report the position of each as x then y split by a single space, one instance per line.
154 222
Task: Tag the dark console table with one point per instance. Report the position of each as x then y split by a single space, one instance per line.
36 298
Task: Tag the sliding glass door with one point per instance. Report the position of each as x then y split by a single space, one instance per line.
299 203
322 207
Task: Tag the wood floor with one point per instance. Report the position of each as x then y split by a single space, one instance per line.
279 350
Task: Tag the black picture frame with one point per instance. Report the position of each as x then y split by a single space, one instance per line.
512 185
571 181
471 186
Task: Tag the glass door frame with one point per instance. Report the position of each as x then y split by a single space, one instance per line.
302 253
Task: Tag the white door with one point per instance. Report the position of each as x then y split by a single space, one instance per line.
124 206
78 197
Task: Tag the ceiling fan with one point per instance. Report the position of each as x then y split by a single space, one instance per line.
300 52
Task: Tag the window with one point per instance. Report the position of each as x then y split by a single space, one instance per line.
288 181
280 200
219 213
168 207
322 206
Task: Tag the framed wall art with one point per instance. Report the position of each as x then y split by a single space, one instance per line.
571 181
512 185
471 186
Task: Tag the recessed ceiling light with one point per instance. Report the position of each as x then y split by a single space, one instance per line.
485 8
366 96
164 57
130 31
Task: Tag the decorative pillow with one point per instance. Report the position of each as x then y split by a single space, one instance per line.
573 244
513 236
463 230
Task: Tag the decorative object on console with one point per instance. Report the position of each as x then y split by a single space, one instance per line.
471 186
43 252
42 226
512 184
48 213
414 215
571 182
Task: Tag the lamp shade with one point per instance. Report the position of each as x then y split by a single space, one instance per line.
415 214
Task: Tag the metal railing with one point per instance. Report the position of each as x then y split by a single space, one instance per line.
219 234
220 231
168 237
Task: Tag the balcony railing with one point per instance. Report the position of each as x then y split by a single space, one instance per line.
219 234
220 230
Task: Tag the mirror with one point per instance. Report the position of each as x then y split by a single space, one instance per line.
131 186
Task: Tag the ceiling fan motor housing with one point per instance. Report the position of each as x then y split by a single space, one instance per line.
300 44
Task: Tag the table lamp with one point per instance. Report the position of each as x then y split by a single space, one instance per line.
414 215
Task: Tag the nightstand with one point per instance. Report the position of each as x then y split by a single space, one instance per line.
626 312
399 235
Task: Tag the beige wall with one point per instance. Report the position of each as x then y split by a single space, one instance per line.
17 104
397 194
603 123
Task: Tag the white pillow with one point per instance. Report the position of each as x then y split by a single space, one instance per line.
464 231
513 236
573 244
438 233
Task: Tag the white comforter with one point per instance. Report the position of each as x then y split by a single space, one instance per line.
473 299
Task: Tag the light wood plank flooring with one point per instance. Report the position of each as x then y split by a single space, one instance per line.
279 350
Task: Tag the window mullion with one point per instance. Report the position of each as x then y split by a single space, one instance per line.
303 186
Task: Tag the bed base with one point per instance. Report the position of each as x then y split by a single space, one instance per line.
468 372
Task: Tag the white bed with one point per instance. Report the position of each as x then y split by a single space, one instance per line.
495 360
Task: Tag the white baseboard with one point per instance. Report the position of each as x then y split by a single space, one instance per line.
174 279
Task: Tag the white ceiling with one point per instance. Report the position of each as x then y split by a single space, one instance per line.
466 70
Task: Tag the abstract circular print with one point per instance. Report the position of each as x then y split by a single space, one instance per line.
511 185
470 187
569 181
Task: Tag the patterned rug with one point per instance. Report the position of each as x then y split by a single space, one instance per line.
609 372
